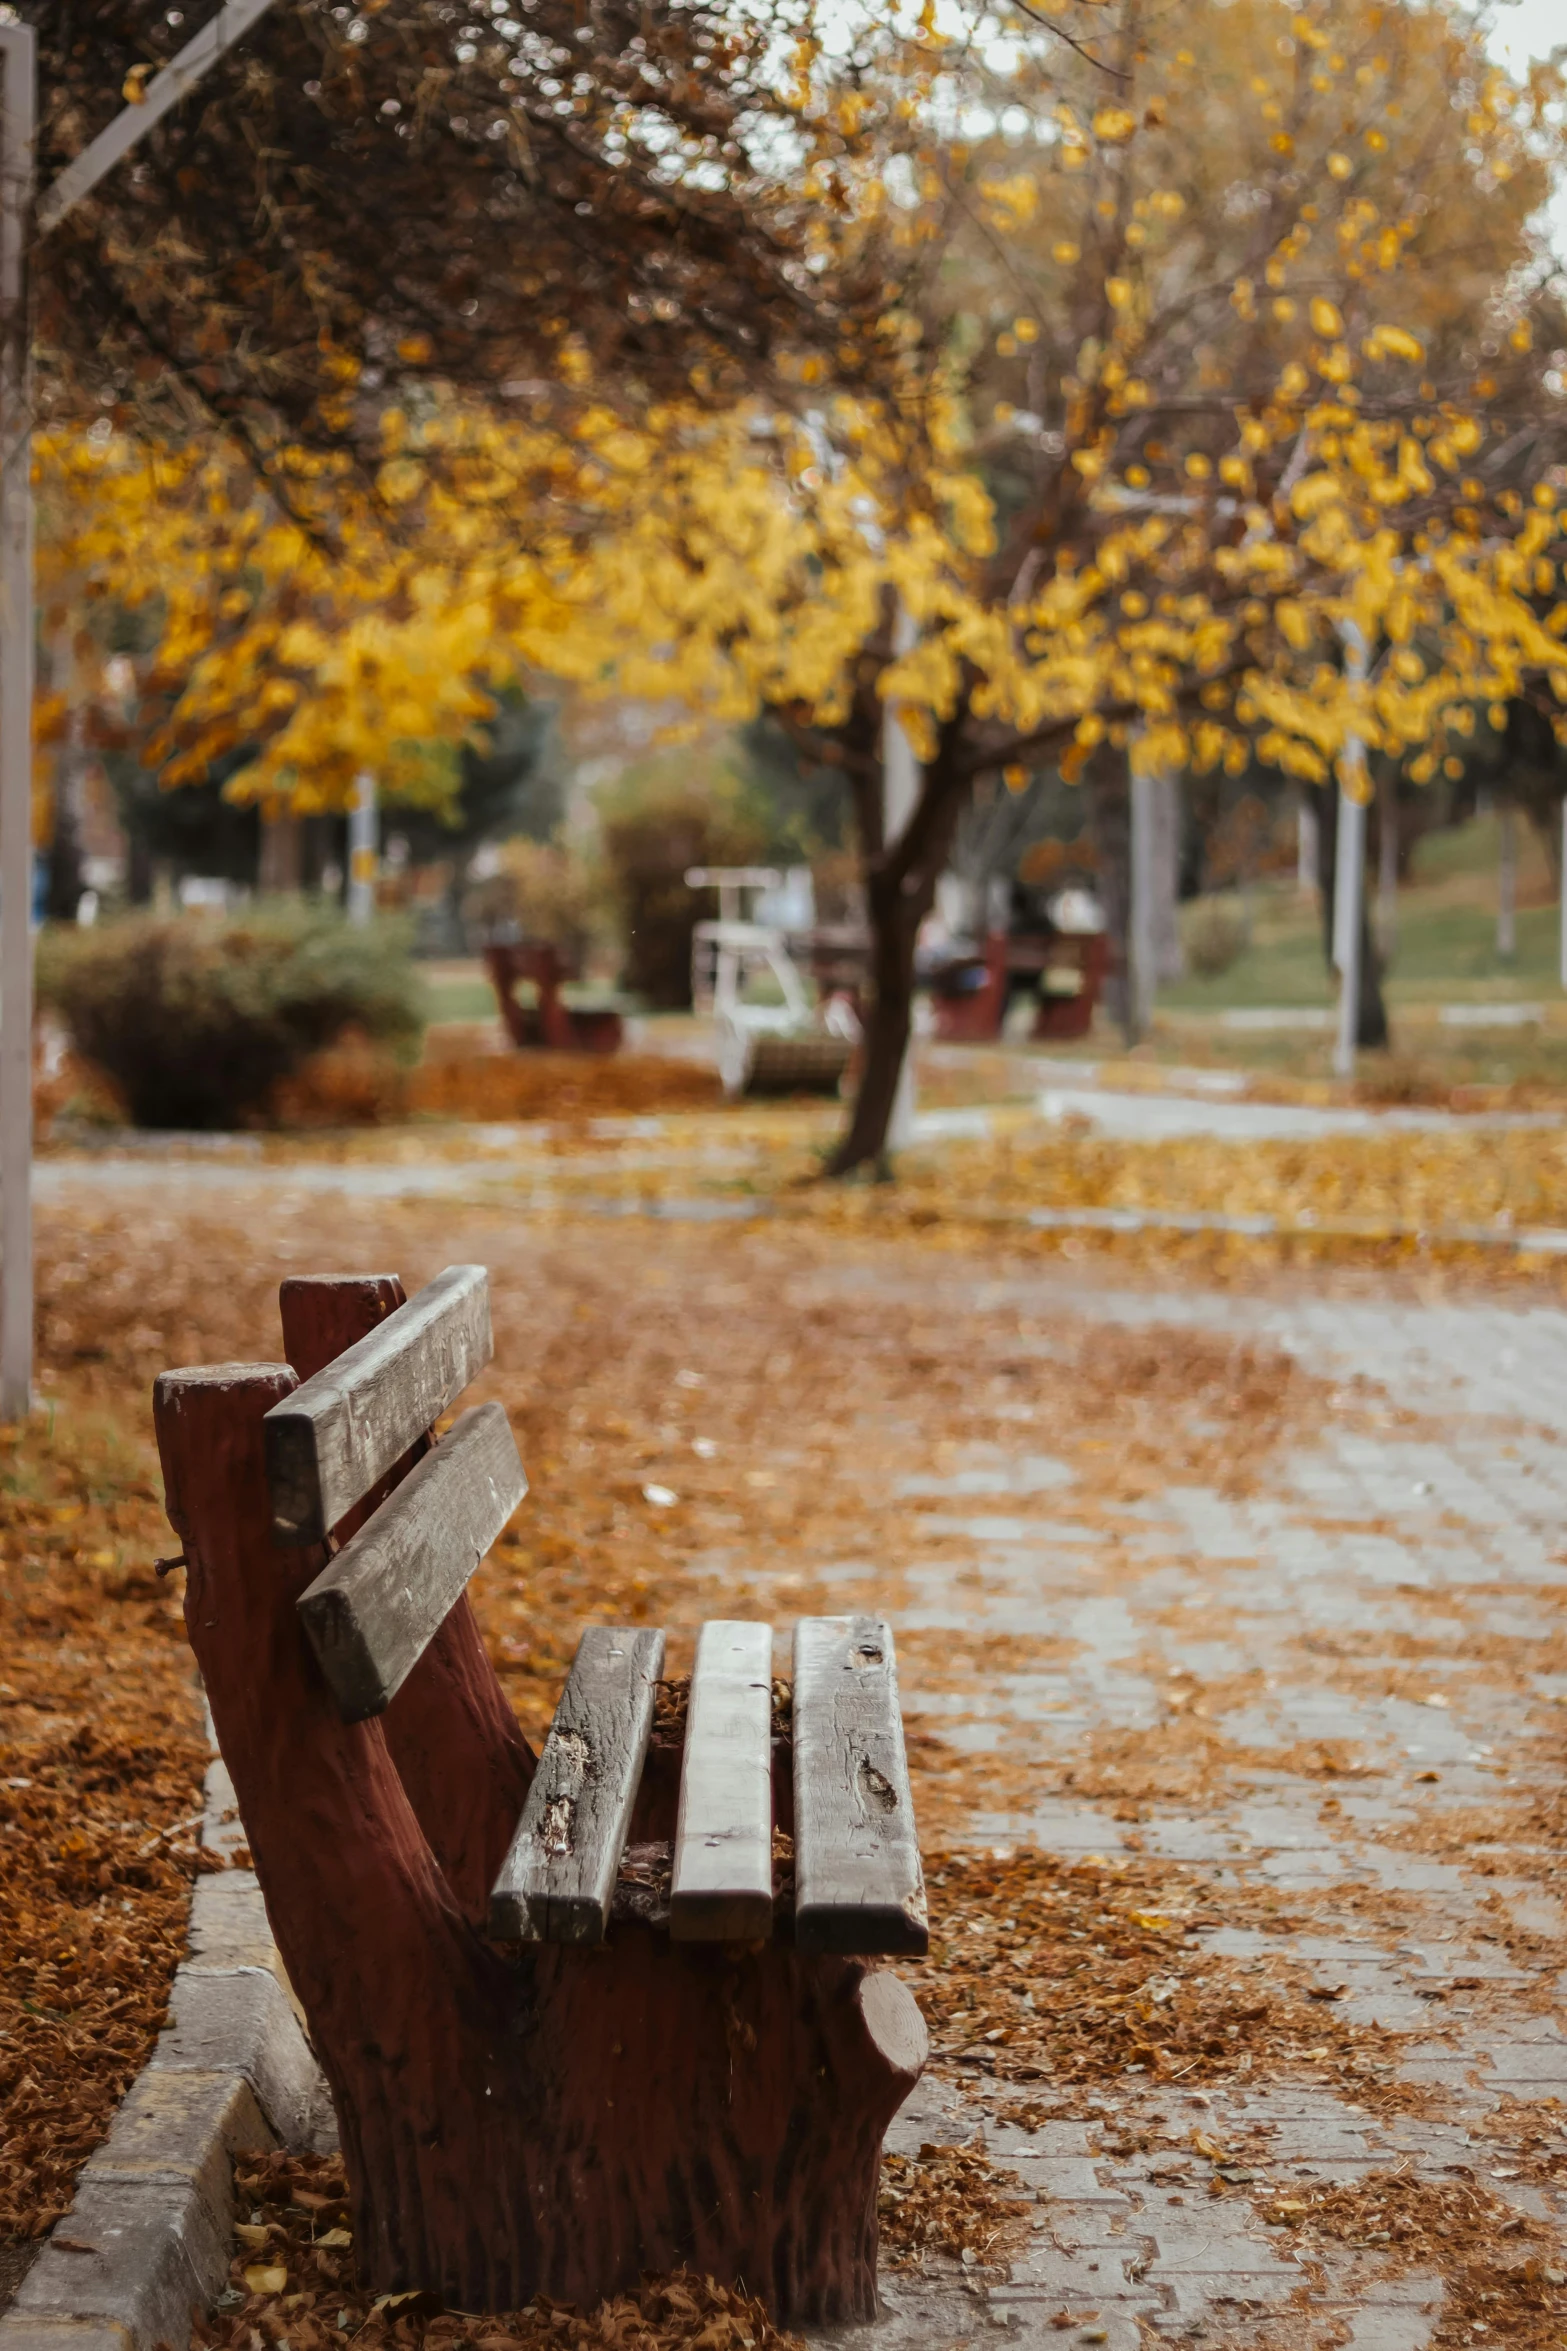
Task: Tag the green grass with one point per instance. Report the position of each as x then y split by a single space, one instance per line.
1446 944
1282 965
461 999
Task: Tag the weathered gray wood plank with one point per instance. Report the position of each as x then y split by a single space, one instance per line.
328 1443
557 1881
373 1610
722 1889
859 1886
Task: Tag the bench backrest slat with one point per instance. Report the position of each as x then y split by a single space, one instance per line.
373 1610
859 1886
722 1888
327 1444
558 1879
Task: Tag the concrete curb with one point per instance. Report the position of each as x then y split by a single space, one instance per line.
148 2238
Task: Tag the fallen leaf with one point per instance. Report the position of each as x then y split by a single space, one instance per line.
266 2277
415 2302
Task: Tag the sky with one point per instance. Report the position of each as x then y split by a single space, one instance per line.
1521 31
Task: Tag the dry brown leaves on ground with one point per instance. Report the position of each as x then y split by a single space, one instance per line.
1500 2270
292 2281
950 2200
100 1775
347 1086
1042 1969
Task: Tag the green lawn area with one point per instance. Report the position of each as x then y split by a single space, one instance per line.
455 996
1446 946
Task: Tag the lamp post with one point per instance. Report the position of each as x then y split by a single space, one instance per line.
900 772
363 847
18 117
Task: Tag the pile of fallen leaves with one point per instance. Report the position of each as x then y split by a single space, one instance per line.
293 2281
100 1775
950 2200
1437 1178
1043 1969
352 1085
1501 2271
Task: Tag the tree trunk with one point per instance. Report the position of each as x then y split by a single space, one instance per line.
278 875
1307 851
1169 951
1110 823
1506 881
548 2120
65 885
1371 1029
138 871
900 890
1387 866
894 930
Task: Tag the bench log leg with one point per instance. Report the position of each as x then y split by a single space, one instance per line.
559 2121
459 1753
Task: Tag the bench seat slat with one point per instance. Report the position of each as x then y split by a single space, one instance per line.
722 1888
859 1886
373 1610
328 1443
558 1879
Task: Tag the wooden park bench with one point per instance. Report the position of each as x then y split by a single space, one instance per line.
584 2015
592 1021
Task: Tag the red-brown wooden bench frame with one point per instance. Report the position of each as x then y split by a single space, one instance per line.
533 2116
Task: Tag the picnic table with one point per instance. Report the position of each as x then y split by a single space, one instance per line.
583 2014
543 1003
973 987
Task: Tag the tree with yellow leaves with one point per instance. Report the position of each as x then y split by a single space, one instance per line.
302 641
1238 416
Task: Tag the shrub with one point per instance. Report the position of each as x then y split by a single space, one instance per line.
1215 937
553 892
194 1022
657 821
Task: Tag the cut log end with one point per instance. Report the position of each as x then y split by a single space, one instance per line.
898 2031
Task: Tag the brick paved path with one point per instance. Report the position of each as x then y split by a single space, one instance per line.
1427 1519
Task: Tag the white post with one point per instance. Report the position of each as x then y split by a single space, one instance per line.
1140 974
1349 875
363 850
1506 881
16 731
17 117
900 774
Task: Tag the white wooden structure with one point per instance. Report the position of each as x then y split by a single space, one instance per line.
780 1047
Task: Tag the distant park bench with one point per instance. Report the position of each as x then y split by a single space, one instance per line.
582 2016
530 980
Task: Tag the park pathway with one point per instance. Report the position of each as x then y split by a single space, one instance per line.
1364 1629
